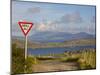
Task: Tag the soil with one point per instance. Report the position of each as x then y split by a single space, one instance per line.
49 66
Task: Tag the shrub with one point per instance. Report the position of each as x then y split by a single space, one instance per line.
19 64
29 63
88 60
18 60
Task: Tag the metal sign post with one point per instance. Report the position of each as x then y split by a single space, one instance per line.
25 47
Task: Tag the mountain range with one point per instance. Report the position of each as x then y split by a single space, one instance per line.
59 36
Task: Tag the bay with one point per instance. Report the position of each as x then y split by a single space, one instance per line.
55 50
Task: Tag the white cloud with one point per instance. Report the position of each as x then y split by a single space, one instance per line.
48 26
42 27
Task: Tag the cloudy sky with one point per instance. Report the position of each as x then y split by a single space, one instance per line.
53 17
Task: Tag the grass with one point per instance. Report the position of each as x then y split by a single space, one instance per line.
19 62
86 58
29 63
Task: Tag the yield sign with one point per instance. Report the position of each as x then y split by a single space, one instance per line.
25 27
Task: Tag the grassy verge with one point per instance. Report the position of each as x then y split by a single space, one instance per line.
19 62
86 58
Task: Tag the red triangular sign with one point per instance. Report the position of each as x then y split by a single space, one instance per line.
25 27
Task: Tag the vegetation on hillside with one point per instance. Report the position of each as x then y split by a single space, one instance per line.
18 60
19 64
86 58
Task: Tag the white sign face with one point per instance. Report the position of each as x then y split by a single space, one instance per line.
25 27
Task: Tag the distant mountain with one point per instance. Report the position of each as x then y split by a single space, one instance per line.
58 36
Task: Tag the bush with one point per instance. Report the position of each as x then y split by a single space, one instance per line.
88 60
18 60
29 63
19 64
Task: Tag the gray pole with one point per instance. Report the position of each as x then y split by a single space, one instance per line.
26 47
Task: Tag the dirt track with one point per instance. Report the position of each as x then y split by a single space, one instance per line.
54 66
